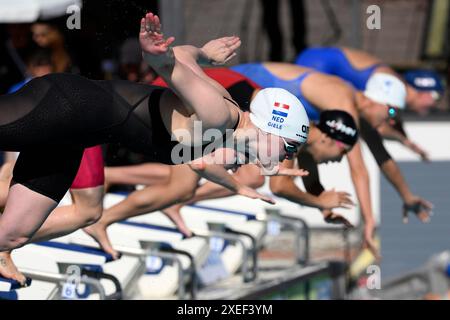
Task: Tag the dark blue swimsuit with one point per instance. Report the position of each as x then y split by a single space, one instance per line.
331 60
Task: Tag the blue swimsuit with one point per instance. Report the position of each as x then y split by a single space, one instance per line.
263 77
331 60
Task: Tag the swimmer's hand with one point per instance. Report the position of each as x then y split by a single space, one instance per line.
334 218
222 50
278 170
253 194
151 38
417 149
369 240
335 199
420 207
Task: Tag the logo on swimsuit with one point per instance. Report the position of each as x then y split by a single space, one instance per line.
278 115
374 20
339 126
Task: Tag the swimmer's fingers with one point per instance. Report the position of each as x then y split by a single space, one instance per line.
426 204
425 213
234 54
153 23
283 171
424 216
232 42
405 215
420 207
344 198
142 30
151 39
422 153
156 24
219 51
232 49
425 157
334 218
370 244
168 42
253 194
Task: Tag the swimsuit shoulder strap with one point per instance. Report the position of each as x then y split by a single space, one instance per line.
305 75
239 115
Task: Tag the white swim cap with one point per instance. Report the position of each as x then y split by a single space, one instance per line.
386 89
276 111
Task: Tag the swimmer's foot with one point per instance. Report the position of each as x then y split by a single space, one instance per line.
9 270
173 213
98 232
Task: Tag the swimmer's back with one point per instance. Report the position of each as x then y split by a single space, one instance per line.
67 109
351 65
280 75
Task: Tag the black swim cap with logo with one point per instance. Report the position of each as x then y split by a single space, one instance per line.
339 125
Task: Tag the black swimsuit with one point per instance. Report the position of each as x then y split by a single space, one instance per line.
52 119
163 144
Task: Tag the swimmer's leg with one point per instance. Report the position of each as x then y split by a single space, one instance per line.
87 199
6 172
40 179
181 186
146 174
24 214
86 209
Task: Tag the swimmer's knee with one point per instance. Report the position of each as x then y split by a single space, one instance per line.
256 181
89 204
93 215
89 215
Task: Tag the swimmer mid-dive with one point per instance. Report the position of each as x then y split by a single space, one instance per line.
52 119
159 190
424 88
372 108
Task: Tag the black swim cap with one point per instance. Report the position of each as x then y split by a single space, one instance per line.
339 125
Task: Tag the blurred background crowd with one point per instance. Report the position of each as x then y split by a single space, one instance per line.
413 34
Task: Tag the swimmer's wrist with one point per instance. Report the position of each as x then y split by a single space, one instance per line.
160 61
204 59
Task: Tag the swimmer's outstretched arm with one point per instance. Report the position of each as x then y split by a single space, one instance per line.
215 52
361 182
214 167
390 133
285 187
202 98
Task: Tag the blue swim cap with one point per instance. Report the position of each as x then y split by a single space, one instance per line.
425 80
